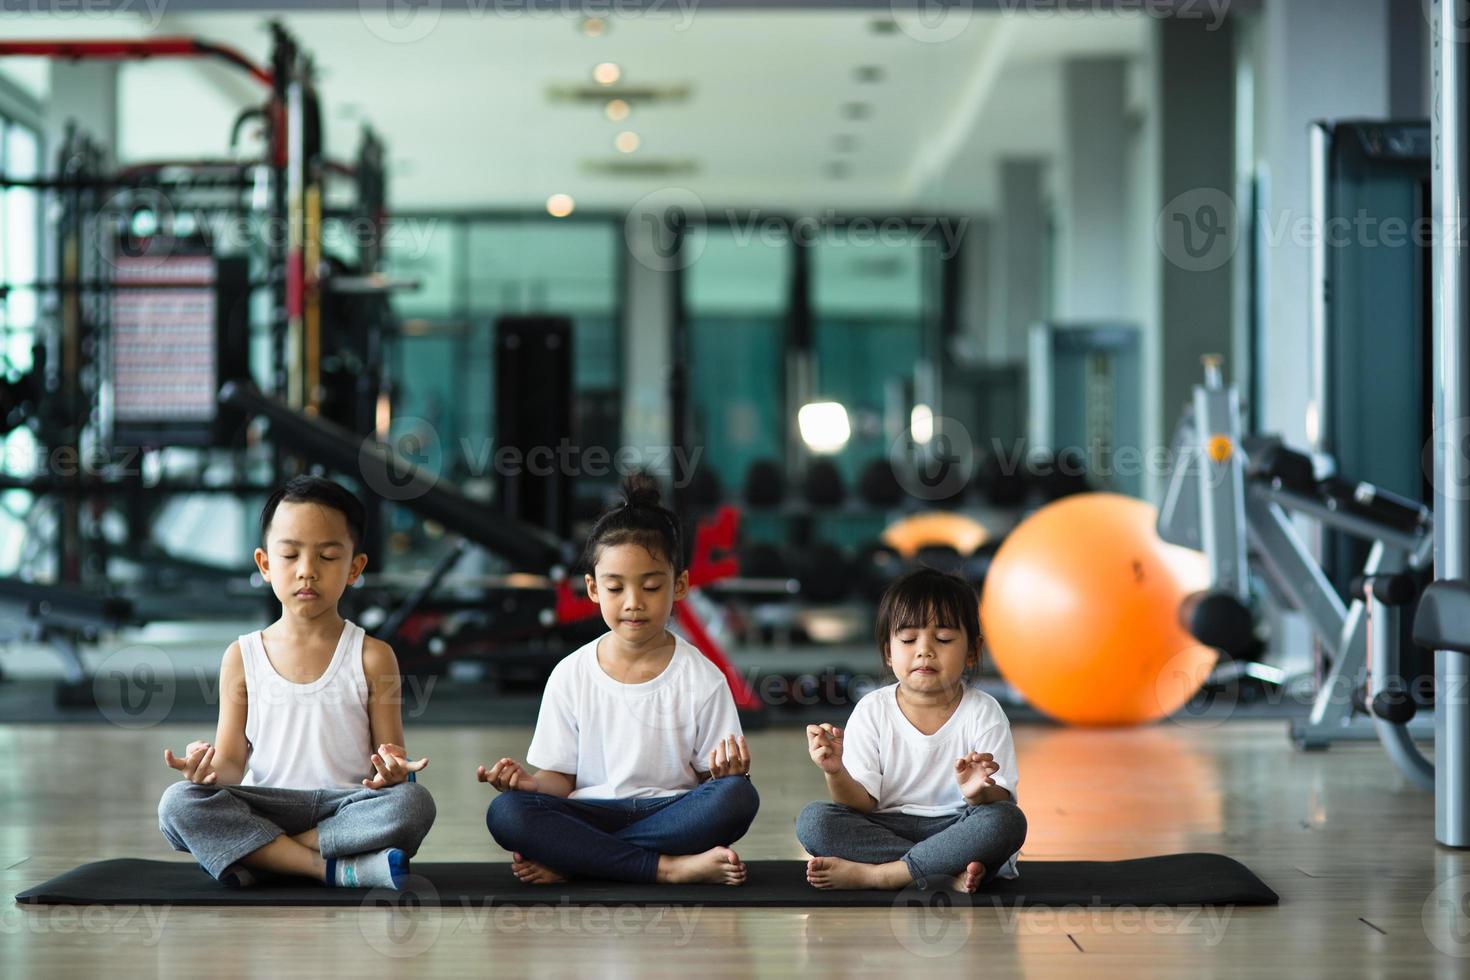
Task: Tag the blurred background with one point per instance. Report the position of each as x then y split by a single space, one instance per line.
865 284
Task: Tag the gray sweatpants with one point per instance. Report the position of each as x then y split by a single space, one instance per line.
930 846
219 825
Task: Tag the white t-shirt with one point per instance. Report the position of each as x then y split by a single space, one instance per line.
909 772
625 741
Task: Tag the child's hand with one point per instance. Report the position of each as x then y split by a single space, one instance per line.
973 773
393 766
197 765
506 775
824 742
730 758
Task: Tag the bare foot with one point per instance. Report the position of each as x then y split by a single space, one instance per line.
832 872
531 873
969 879
716 866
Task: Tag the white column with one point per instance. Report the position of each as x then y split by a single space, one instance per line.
1319 59
1091 212
648 323
1017 261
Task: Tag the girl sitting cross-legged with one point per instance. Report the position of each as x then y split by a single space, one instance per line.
923 779
643 770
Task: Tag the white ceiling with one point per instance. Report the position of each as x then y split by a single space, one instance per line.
462 101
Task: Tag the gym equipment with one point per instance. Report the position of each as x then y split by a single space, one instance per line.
765 484
940 557
825 574
977 567
956 531
1060 475
878 565
1165 880
1233 498
533 415
823 485
1451 189
64 618
703 490
530 548
878 485
179 329
1002 483
1085 385
1080 613
145 319
1370 319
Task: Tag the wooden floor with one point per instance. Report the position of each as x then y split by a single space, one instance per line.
1339 835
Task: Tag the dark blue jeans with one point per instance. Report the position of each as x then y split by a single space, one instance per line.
621 840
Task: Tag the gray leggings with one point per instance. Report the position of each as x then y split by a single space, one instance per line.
219 825
930 846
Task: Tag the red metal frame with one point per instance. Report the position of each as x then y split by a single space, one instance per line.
124 49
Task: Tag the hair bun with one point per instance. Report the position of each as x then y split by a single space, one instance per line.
641 490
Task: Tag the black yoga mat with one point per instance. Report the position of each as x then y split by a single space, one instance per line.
1172 879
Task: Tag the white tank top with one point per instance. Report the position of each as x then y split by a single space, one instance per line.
308 736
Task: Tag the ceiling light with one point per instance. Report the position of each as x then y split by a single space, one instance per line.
607 73
627 141
560 205
617 110
594 26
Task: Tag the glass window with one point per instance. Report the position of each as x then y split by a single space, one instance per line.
868 316
475 270
19 157
20 243
736 297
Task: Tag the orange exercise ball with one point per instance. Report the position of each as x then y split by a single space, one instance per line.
1081 613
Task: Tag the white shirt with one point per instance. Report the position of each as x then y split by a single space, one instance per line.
308 736
626 741
909 772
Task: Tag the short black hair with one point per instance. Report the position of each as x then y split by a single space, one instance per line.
317 490
927 595
639 518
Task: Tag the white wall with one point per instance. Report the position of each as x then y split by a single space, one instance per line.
1319 59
